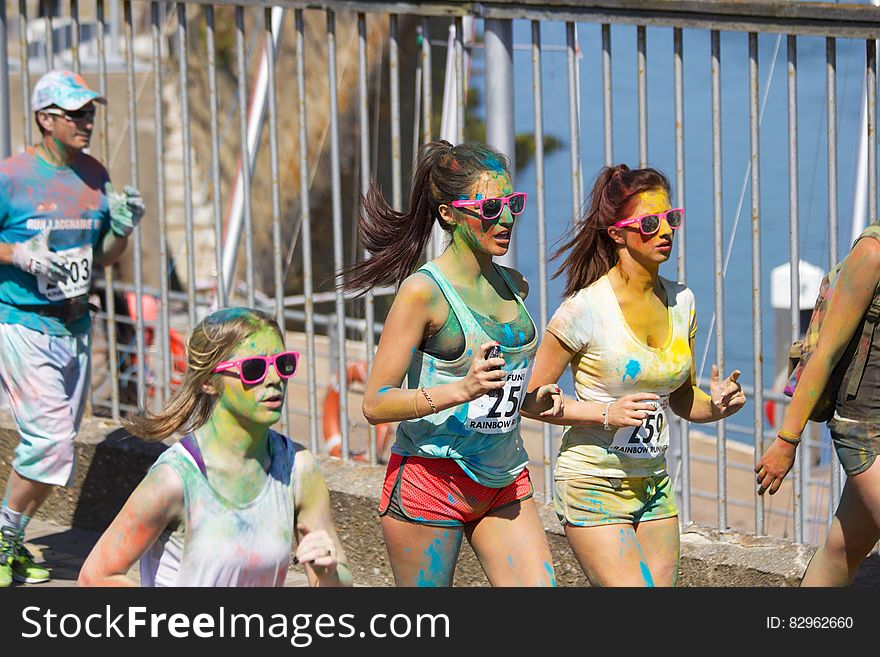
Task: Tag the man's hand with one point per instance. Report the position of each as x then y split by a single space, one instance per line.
126 209
34 257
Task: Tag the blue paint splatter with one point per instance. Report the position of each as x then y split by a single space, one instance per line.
508 334
510 560
550 572
646 574
385 389
492 163
633 368
522 337
436 572
451 499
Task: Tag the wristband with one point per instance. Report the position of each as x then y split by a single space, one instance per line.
430 401
789 437
605 417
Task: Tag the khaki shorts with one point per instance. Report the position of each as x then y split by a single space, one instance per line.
857 443
46 381
590 500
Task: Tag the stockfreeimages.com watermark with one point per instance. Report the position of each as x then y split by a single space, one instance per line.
299 629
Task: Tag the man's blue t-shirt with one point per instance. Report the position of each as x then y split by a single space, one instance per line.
67 200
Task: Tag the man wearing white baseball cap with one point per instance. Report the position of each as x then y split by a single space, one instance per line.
59 218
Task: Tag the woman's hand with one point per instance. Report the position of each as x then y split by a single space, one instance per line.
484 375
727 396
318 549
631 410
546 401
774 465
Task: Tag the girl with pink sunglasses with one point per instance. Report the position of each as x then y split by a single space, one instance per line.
225 505
458 466
628 335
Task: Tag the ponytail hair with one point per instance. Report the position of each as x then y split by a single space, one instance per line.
397 240
212 341
592 252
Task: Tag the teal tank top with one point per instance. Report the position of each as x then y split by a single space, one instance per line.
483 435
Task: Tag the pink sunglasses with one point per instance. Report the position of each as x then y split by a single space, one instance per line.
253 369
491 208
650 223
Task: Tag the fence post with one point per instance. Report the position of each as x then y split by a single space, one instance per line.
5 130
499 100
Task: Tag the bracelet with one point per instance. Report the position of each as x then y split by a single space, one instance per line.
605 417
430 401
789 437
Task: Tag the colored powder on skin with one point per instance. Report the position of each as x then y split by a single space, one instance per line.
436 570
646 574
510 560
549 570
385 389
632 370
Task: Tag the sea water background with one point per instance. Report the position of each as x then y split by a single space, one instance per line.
775 240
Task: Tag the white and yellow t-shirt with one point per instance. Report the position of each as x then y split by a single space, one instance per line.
611 362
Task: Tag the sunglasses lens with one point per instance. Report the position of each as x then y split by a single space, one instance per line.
650 224
253 370
517 203
674 218
80 115
491 208
286 364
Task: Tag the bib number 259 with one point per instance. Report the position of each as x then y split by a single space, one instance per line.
650 429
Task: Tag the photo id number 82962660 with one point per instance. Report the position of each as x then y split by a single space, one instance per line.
810 623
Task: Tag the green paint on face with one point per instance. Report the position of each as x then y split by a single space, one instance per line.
250 404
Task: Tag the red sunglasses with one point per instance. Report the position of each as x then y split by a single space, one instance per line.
253 369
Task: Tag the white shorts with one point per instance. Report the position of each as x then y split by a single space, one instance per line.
45 378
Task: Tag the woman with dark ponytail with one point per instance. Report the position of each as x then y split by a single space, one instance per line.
222 506
458 466
628 335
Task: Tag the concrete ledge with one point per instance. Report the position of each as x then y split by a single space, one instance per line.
111 464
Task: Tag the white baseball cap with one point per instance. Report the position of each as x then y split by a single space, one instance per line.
64 89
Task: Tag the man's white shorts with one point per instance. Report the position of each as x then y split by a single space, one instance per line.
46 380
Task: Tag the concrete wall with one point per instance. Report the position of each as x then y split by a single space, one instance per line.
110 465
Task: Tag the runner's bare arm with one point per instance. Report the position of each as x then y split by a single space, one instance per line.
550 362
109 249
853 291
418 310
857 280
723 400
318 545
155 504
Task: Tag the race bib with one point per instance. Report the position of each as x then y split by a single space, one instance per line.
79 261
499 412
649 440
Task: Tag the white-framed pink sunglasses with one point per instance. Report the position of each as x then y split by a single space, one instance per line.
253 369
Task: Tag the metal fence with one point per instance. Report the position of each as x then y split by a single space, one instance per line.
133 43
